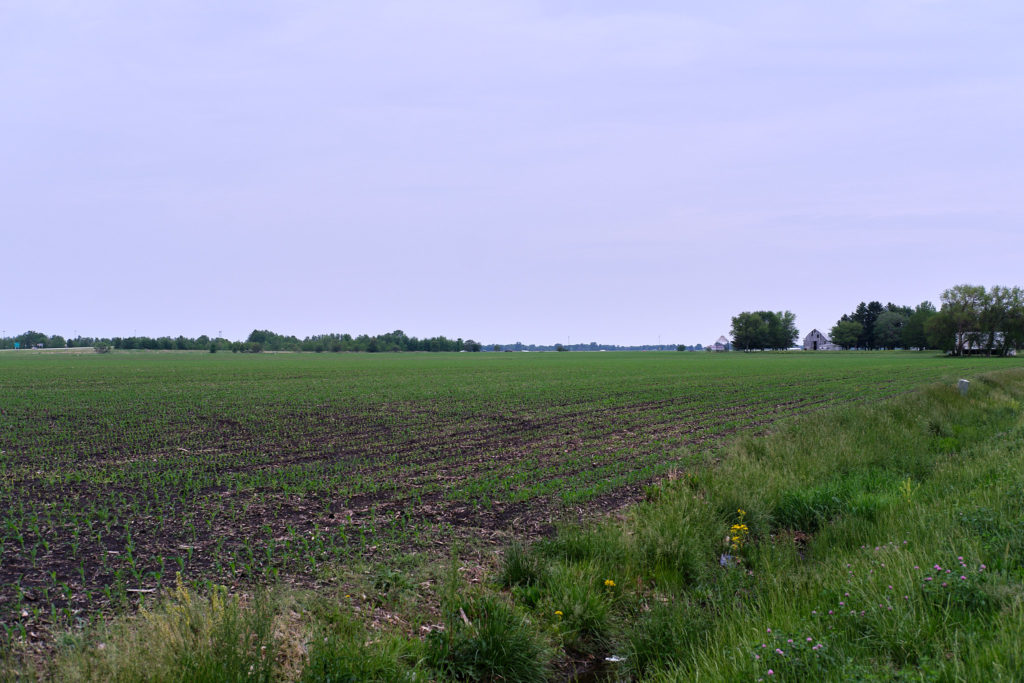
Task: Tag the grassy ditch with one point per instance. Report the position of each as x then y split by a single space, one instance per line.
881 542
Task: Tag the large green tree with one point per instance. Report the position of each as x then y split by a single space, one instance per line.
940 332
845 333
764 330
962 307
749 331
913 333
888 329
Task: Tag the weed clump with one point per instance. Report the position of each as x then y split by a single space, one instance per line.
486 639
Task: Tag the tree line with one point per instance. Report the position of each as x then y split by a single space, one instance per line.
257 341
336 343
971 319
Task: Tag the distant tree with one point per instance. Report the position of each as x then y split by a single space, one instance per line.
497 347
845 333
996 319
681 347
962 308
782 332
940 332
749 331
559 347
913 333
1013 325
764 330
472 346
905 311
889 329
866 314
31 338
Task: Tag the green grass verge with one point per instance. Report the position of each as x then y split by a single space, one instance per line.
881 542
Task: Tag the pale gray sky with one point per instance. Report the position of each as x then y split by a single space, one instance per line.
501 170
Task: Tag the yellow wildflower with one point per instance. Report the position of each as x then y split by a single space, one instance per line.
609 583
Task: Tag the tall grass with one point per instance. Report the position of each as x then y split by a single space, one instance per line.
185 638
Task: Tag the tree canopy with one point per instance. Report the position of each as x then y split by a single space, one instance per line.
845 333
973 318
764 330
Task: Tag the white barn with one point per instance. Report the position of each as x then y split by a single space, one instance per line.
816 341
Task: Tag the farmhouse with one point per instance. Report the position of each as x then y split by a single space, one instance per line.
976 343
721 345
816 341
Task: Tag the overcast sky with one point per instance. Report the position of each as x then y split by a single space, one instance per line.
536 171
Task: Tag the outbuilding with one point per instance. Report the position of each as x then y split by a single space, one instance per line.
721 345
816 341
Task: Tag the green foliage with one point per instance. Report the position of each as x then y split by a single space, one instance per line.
343 651
485 640
184 638
889 329
880 326
675 541
795 657
913 332
519 567
846 333
31 338
576 590
975 319
664 633
239 646
764 330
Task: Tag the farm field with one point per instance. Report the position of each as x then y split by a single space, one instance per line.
119 471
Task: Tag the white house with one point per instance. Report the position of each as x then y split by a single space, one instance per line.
977 343
816 341
721 345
